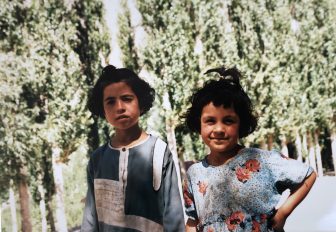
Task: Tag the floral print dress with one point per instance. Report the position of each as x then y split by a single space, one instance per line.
242 194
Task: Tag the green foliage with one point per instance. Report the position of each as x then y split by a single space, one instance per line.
45 77
92 44
127 40
75 186
50 55
170 56
285 50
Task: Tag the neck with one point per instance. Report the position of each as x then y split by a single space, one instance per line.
218 158
128 137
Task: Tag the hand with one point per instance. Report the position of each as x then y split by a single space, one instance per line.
278 221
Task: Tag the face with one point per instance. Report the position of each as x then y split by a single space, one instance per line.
121 106
220 129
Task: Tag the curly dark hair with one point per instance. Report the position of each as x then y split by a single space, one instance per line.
110 74
226 92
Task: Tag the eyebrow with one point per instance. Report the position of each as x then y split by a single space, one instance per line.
207 118
109 98
211 117
112 98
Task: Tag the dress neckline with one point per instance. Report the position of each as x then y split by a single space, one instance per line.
124 148
239 153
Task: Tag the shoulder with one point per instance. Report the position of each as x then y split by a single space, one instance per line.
253 152
196 167
157 140
263 156
266 156
100 150
263 152
160 146
154 141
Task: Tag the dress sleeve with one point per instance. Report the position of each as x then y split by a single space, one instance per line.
173 217
189 202
90 220
287 172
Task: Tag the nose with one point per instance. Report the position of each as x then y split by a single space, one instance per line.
120 107
219 128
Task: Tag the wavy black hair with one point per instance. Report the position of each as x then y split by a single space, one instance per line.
110 74
226 92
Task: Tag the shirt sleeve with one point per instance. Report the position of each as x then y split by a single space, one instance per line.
189 202
90 221
173 217
287 172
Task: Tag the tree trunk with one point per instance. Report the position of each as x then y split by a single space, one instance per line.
318 154
270 142
13 209
0 215
112 10
24 203
139 32
61 223
298 146
311 152
305 148
172 146
171 139
284 148
262 144
333 148
43 209
50 216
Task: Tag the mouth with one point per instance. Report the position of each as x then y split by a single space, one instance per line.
122 117
212 138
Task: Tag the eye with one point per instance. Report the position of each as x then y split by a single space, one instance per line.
110 102
127 98
229 121
209 121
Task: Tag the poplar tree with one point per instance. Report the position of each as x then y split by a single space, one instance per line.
46 115
170 56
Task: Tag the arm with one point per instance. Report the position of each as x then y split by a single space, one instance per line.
292 202
173 217
191 226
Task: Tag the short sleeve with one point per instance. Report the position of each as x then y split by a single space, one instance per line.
287 172
189 202
173 218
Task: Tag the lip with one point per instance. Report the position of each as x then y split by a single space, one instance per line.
218 138
122 117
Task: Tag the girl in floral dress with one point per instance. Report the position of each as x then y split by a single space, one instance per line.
235 188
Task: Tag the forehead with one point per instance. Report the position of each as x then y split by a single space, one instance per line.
117 89
210 110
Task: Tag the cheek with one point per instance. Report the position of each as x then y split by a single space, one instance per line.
136 110
136 107
106 110
205 131
234 131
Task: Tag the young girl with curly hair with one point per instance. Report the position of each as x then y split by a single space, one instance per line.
235 188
